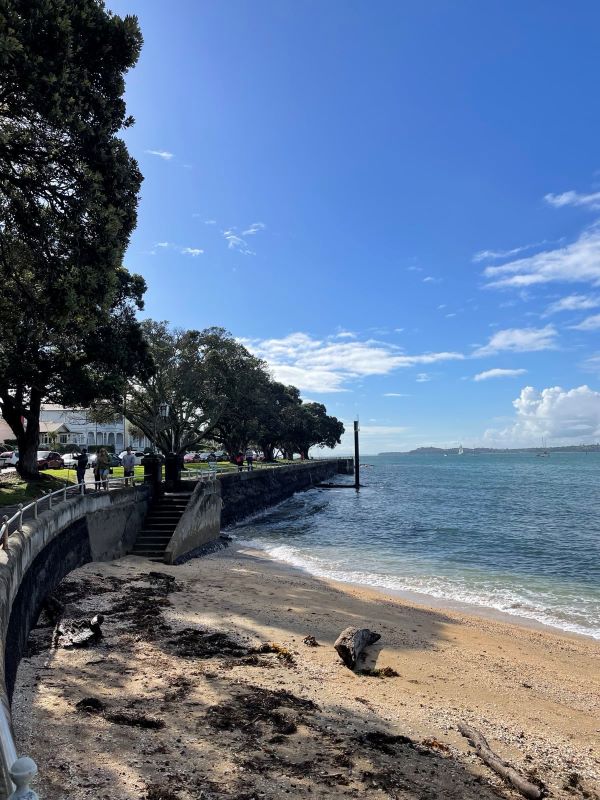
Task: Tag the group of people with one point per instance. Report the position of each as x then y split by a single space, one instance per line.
102 467
239 460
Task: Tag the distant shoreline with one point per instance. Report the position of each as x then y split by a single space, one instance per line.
581 448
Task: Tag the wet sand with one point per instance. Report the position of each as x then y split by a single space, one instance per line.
189 703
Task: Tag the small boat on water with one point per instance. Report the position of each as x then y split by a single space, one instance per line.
460 450
544 453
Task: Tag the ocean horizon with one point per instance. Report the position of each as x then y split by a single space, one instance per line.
512 533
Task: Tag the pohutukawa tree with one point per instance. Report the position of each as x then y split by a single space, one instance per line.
185 381
68 204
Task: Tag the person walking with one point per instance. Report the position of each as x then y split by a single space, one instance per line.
128 465
250 459
239 460
82 462
103 467
212 463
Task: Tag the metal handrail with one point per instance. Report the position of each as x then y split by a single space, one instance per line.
66 491
75 489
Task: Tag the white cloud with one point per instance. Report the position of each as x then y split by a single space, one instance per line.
162 244
327 365
423 377
235 242
210 221
395 394
519 340
573 302
572 198
164 154
588 324
576 262
254 228
494 255
562 416
414 269
498 373
431 279
192 251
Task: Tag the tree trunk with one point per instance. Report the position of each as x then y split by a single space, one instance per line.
26 433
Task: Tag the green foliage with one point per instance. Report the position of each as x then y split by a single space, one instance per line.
68 205
184 378
218 392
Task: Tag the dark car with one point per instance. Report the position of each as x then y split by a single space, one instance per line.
48 459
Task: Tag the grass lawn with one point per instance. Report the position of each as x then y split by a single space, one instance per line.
14 490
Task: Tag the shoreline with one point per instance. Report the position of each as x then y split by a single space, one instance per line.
292 719
422 598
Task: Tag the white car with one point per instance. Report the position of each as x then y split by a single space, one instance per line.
138 454
9 458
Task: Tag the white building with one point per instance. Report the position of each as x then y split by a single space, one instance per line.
62 426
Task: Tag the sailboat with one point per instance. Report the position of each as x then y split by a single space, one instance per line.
544 453
460 450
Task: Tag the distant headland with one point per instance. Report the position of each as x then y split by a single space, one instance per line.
475 451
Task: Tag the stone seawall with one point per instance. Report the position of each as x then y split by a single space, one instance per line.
245 493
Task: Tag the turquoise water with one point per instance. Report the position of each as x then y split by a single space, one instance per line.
515 533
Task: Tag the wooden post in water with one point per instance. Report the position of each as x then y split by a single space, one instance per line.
356 458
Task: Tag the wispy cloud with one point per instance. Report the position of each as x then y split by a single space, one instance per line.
519 340
186 251
395 394
210 221
588 324
498 373
423 377
495 255
576 262
328 365
431 279
572 198
164 154
254 228
573 302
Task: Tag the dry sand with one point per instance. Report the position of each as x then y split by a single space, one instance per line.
231 722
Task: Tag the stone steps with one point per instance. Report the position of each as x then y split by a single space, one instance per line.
159 525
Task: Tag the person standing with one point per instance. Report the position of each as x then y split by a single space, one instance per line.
103 467
250 459
82 462
128 465
239 460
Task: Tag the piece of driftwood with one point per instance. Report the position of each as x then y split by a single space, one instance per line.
501 767
351 642
78 632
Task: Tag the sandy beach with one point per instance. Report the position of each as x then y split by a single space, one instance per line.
203 687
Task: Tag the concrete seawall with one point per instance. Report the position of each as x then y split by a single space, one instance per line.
245 493
98 527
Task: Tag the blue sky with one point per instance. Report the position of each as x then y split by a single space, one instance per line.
396 204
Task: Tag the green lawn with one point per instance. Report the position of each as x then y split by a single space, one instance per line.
14 490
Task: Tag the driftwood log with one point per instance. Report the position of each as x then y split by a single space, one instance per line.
351 642
78 632
501 767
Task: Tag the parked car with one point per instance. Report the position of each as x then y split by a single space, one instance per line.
191 458
9 458
48 459
139 454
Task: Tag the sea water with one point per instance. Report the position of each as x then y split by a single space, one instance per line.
516 533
